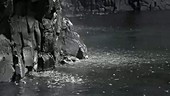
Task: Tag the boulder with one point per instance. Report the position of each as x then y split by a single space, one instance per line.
70 44
6 68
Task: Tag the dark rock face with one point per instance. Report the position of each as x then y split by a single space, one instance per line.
23 30
45 62
135 4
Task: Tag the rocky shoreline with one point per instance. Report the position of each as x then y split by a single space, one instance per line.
36 35
113 6
34 40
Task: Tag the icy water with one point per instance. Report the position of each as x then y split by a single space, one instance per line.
129 55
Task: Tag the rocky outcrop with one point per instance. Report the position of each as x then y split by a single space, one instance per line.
67 47
36 39
115 5
69 44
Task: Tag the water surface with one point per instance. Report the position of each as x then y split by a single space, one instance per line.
128 56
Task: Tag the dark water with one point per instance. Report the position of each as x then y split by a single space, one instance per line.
128 56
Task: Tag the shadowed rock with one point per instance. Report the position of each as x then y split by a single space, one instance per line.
45 62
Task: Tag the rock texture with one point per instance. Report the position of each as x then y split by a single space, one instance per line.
115 5
69 43
6 68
